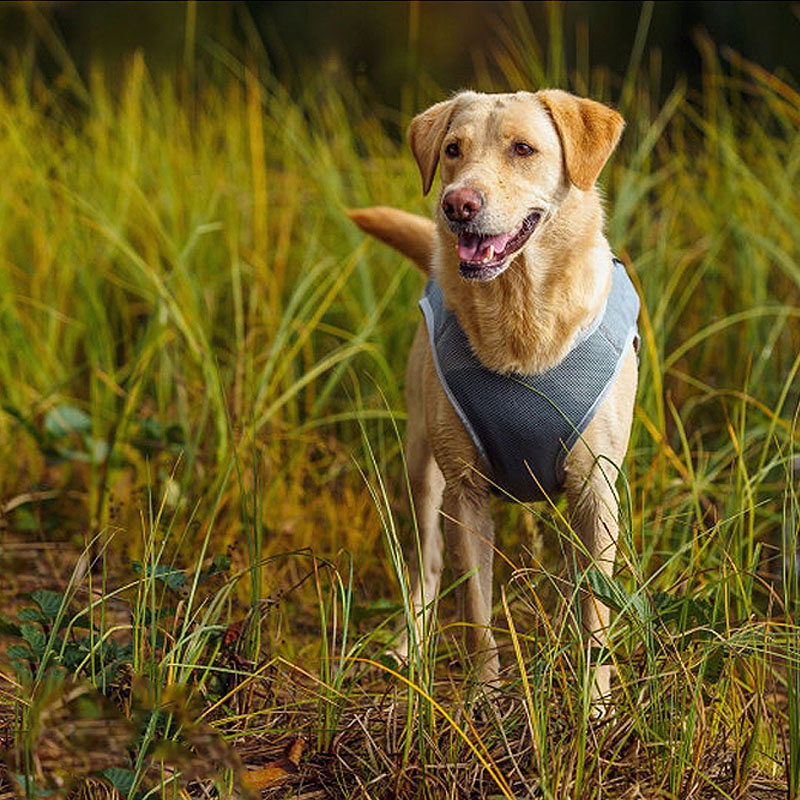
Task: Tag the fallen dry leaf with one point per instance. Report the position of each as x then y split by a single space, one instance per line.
275 772
294 752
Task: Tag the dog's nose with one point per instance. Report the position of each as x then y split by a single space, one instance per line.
461 205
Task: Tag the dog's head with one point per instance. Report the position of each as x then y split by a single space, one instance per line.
507 163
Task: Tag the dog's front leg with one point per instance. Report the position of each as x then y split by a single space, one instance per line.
591 475
469 533
593 505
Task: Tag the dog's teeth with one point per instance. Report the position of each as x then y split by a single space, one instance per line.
489 253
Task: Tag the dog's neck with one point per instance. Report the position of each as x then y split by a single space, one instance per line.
527 318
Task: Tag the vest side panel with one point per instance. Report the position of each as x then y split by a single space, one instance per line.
619 329
430 317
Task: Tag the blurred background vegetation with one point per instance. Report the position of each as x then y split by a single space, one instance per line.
390 45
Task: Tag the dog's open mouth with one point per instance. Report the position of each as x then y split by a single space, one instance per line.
484 257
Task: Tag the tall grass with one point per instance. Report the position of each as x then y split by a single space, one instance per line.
201 356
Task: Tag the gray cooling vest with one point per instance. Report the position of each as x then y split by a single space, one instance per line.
518 421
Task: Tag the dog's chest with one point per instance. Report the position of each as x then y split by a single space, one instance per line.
523 426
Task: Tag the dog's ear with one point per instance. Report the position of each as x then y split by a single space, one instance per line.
425 134
589 132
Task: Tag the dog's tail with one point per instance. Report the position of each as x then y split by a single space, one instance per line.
411 234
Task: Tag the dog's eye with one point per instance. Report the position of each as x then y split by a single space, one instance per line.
522 149
452 150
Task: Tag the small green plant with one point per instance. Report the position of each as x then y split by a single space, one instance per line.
49 640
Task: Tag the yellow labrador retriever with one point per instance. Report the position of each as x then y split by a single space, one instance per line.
523 372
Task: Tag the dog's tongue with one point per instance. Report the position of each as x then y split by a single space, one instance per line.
474 247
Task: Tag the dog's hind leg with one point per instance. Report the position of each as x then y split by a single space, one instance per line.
469 532
426 484
424 556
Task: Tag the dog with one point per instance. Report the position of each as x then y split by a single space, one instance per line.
523 371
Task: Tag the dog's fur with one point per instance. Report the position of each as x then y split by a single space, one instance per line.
524 319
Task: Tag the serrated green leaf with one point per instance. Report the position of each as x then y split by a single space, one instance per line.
50 602
608 590
8 627
701 611
175 580
714 663
35 637
110 671
20 651
613 594
74 654
27 784
220 563
31 614
663 602
121 779
172 576
672 609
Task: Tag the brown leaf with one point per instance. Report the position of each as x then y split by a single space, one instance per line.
269 775
294 752
276 772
